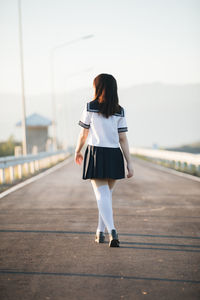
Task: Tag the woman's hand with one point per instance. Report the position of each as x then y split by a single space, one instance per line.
78 158
130 170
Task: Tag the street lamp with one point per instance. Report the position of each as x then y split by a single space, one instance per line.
68 115
24 142
52 58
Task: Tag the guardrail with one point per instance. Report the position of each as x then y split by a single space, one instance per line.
15 167
181 161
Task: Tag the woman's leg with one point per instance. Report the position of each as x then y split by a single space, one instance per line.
101 225
111 182
104 203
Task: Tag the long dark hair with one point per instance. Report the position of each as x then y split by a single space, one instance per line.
106 92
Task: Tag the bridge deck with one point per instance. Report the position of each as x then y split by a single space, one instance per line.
47 243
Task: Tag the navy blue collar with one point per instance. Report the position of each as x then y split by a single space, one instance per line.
93 106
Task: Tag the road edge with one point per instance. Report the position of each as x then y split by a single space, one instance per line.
169 170
36 177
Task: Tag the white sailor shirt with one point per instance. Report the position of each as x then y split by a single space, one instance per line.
103 132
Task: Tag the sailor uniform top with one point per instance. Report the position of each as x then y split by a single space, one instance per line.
103 132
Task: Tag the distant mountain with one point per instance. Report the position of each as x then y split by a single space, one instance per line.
191 148
162 114
165 115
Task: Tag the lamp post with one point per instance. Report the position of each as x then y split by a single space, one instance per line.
52 58
24 140
68 115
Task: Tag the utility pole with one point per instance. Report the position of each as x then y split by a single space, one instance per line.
24 140
53 100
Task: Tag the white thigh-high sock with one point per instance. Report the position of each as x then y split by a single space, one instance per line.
103 197
101 225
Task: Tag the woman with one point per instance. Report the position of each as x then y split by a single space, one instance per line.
103 122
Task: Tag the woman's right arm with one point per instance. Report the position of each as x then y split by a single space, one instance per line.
125 148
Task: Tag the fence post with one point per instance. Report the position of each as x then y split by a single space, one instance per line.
26 168
37 165
2 175
19 170
32 167
11 171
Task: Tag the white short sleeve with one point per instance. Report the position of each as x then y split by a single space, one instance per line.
122 124
85 118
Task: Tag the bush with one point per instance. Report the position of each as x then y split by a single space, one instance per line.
7 148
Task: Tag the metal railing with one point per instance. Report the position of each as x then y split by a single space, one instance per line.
181 161
15 167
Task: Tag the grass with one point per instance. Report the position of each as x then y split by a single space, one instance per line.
172 165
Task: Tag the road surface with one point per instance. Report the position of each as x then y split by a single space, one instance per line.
47 230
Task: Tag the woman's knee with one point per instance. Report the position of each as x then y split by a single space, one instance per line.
107 181
111 182
98 182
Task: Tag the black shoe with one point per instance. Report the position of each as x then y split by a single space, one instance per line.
100 237
114 242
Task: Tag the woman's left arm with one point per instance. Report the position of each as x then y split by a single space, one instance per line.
80 143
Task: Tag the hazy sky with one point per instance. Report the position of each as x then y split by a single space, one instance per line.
135 40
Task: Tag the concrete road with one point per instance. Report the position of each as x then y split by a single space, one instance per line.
47 243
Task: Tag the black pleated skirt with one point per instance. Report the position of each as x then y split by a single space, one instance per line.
103 162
